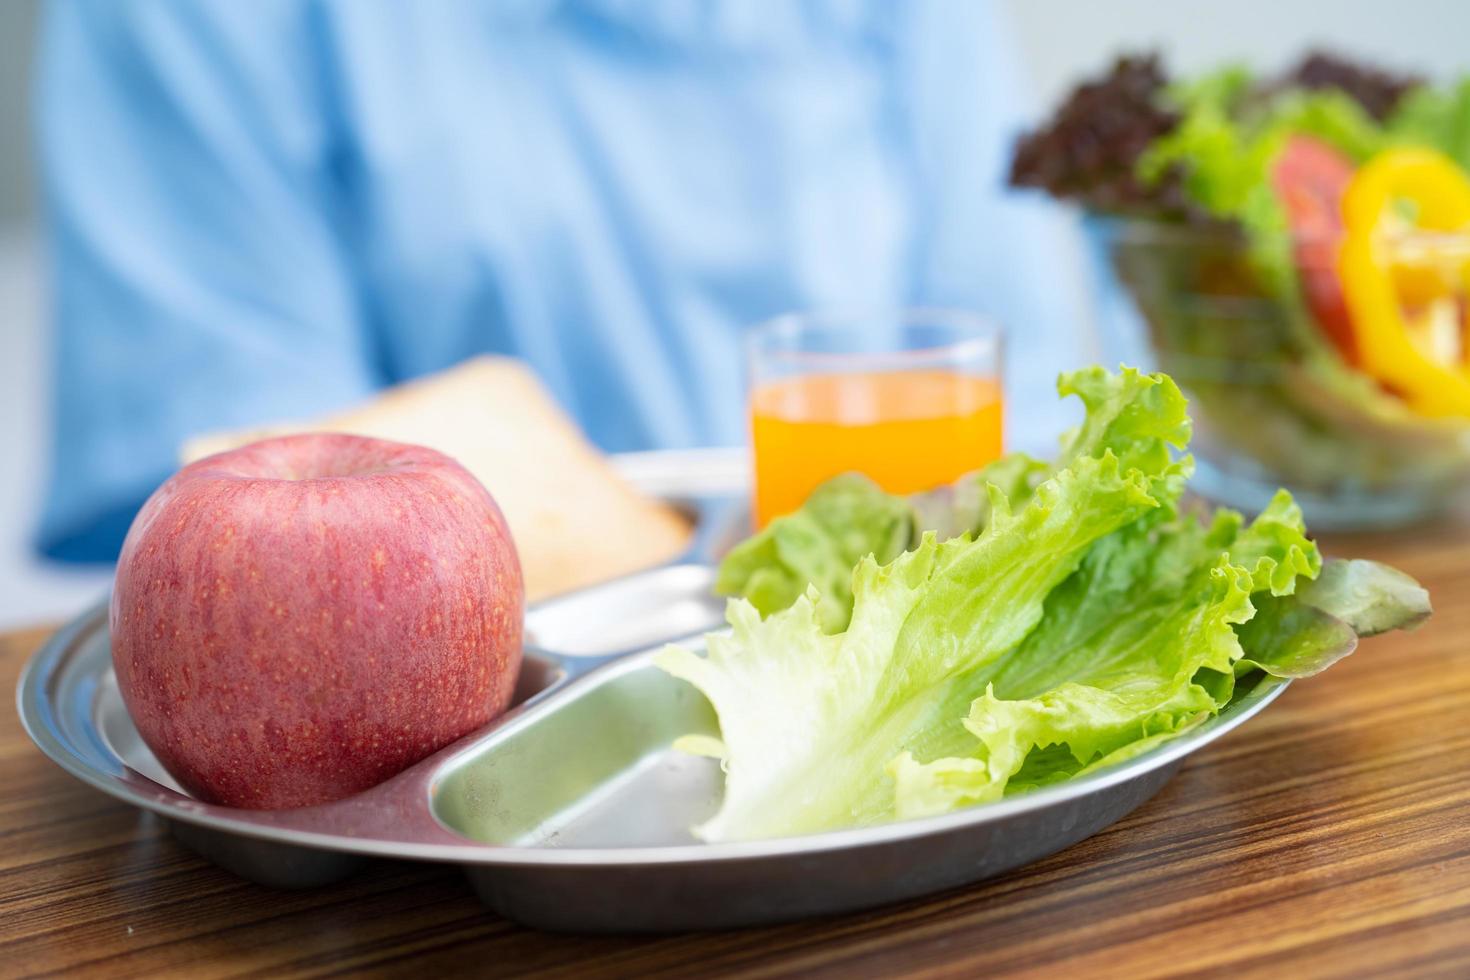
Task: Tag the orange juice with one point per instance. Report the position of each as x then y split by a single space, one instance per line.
908 430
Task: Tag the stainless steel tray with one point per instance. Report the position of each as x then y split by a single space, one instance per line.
572 811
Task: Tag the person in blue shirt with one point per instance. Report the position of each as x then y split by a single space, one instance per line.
265 211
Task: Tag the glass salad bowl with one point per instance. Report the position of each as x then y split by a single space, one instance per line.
1274 403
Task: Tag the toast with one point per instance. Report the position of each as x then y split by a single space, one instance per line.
574 519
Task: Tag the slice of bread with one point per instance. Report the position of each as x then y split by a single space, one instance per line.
574 519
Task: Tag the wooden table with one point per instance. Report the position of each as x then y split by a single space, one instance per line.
1330 836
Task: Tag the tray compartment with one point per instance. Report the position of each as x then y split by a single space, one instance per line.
591 767
764 888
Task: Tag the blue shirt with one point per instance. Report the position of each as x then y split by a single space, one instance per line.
264 211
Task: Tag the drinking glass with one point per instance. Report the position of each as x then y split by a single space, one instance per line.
911 399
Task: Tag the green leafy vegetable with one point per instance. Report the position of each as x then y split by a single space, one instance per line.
849 517
1138 644
963 507
810 719
1086 621
1435 117
844 520
1302 635
1287 638
1370 597
1225 153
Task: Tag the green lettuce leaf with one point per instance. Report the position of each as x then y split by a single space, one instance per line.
1149 680
1304 634
1088 621
1135 416
963 507
1436 117
844 520
827 712
1275 549
1138 645
1370 597
1225 146
1288 638
810 720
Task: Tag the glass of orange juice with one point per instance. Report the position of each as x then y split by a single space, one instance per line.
912 400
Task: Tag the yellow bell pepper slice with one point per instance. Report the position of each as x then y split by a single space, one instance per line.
1395 304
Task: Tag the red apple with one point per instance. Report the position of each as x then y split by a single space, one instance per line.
301 618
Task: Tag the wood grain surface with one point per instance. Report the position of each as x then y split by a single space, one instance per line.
1328 837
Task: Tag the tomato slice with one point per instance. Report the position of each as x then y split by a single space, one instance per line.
1310 179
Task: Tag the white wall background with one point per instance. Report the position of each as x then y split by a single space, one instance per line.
1062 38
1059 39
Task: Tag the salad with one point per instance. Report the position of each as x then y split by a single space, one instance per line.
894 657
1298 250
